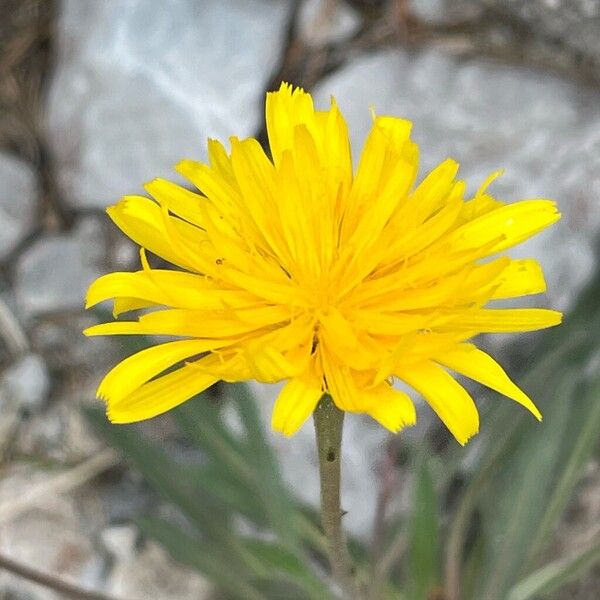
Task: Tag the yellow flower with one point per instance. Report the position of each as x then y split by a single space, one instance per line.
299 269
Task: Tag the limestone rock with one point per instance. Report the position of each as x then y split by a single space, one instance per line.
54 273
27 382
17 202
140 86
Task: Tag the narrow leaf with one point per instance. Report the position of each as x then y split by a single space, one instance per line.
580 441
279 560
423 550
553 576
270 486
519 493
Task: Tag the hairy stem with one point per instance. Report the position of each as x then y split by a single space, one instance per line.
329 421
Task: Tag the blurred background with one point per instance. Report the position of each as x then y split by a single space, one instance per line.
97 97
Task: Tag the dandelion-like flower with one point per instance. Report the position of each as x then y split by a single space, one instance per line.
298 269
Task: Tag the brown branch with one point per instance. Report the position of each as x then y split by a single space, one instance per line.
52 582
60 483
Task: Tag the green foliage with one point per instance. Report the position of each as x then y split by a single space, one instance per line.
423 551
236 478
554 575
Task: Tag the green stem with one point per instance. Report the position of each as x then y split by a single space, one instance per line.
328 427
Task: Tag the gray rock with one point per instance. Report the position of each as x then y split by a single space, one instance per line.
17 202
60 432
27 382
544 131
327 22
575 23
149 573
141 85
54 273
55 523
445 12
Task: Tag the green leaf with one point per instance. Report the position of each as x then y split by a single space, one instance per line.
553 576
171 481
305 522
233 495
271 490
470 576
423 548
279 560
200 556
580 441
519 492
200 420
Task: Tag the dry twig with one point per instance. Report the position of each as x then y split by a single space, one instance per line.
59 484
67 590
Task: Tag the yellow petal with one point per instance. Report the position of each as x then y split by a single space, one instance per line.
255 176
446 396
124 285
468 360
389 193
505 320
520 278
229 365
432 193
425 234
141 220
192 323
168 288
297 220
122 328
285 109
139 368
222 191
305 210
160 395
285 292
414 348
397 247
182 202
220 161
342 386
335 149
480 282
482 203
123 305
394 409
377 323
386 170
295 403
510 225
375 294
270 365
349 346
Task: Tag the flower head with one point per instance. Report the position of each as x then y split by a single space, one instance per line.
299 269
